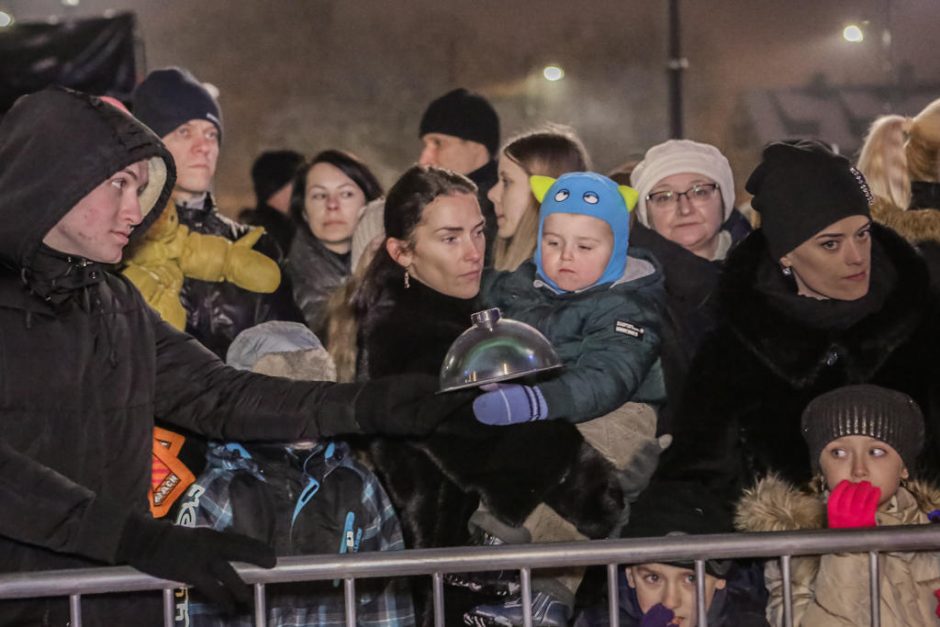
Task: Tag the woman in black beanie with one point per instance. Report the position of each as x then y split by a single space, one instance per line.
818 298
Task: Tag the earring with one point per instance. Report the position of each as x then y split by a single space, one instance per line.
787 271
407 281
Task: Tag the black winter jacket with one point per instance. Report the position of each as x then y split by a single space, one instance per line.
217 312
86 365
739 416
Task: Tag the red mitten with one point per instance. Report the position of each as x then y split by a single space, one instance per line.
853 505
936 593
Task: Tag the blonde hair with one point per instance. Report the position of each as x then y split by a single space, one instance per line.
549 151
883 160
923 144
899 150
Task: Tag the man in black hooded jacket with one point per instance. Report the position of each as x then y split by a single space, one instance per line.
86 366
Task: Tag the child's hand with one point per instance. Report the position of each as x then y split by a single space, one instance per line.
853 505
510 403
658 616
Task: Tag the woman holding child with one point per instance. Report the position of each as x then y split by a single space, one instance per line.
818 298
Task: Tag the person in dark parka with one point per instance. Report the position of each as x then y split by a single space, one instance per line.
818 298
86 366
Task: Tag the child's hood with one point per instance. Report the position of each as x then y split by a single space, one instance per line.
591 194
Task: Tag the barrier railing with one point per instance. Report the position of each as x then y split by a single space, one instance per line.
525 558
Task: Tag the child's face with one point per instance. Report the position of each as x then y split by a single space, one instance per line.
859 458
575 249
673 587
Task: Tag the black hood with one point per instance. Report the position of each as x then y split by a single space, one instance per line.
56 146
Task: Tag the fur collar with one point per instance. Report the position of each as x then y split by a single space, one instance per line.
777 505
917 226
798 353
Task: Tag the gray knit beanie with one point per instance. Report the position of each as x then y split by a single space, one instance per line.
887 415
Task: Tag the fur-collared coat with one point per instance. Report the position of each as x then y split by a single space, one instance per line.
832 590
920 227
436 482
739 415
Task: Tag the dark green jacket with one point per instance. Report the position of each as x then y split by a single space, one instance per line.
608 337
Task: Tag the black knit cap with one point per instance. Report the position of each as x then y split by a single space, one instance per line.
800 188
273 170
170 97
680 508
463 114
887 415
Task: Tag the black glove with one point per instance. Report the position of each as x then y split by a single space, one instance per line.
198 557
406 404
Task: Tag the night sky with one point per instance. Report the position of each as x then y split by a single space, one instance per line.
356 75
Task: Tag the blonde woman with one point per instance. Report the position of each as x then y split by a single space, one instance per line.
551 151
901 161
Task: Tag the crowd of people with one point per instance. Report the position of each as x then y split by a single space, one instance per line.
181 389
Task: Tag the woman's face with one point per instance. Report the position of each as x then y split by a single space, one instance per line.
448 244
835 263
691 216
331 205
511 196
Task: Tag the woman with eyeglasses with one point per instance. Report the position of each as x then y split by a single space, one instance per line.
686 196
819 297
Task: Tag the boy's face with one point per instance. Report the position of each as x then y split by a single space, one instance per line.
859 458
673 587
99 226
575 249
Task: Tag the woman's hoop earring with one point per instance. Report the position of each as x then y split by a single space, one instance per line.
787 271
407 280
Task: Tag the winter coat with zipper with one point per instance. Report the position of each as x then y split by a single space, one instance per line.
316 273
608 337
86 365
217 312
739 415
832 590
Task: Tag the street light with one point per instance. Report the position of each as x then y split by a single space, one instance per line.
553 73
5 19
853 33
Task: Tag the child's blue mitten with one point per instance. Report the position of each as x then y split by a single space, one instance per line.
509 404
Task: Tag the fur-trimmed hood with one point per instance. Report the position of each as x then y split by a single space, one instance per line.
917 226
798 352
777 505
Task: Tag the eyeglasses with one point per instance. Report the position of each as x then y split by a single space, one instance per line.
668 199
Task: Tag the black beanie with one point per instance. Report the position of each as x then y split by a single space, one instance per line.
802 187
463 114
170 97
273 170
680 508
880 413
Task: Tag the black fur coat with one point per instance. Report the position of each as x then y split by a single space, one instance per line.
436 483
739 415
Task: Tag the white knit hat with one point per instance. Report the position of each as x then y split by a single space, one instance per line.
678 156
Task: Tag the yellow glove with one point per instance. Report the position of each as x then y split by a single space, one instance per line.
214 258
160 287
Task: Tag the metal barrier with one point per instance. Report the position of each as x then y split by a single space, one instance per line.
525 558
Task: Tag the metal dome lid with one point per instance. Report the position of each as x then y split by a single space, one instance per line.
495 349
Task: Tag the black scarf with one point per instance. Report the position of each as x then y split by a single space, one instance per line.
833 314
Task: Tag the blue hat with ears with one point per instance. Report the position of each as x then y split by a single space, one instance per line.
590 194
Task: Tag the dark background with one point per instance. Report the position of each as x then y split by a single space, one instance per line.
356 75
